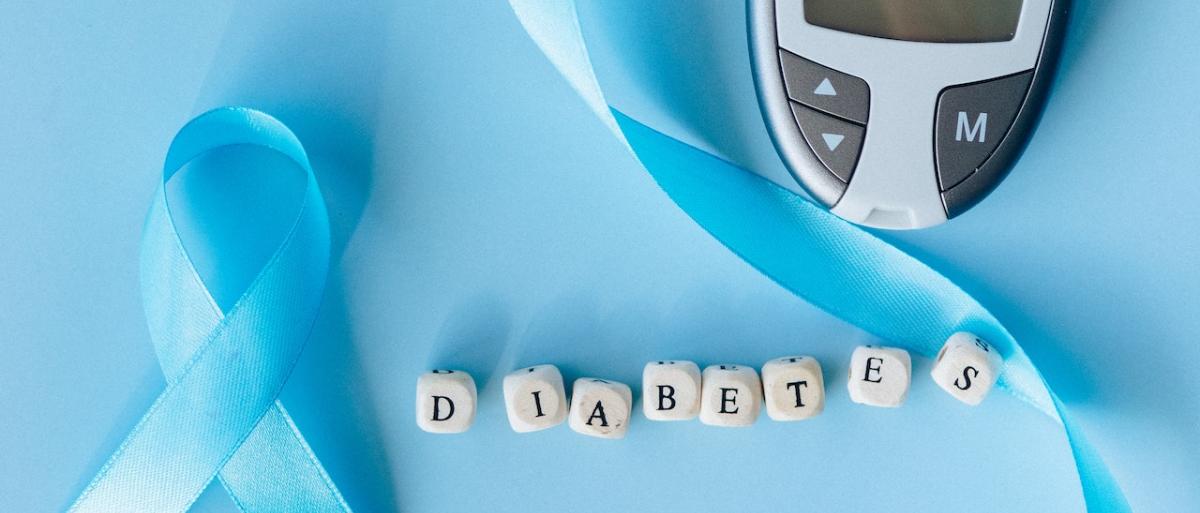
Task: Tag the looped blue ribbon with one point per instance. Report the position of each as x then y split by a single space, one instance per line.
817 256
219 416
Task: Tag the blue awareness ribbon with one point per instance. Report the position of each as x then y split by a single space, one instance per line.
819 257
219 415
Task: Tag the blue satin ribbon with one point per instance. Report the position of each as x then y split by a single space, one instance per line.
219 416
817 256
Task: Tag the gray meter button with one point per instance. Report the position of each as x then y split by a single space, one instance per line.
825 89
971 122
837 143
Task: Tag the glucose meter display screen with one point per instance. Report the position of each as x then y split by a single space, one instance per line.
932 21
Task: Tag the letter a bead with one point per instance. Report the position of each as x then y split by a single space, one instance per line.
671 390
445 401
967 367
731 396
534 398
793 387
600 408
879 376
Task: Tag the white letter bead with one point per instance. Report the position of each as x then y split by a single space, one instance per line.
731 396
794 388
600 408
879 376
534 398
671 390
967 367
445 401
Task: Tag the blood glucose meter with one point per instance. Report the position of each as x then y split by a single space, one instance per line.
902 113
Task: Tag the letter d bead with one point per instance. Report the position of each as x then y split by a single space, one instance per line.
445 401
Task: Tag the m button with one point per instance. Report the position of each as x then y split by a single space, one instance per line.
971 121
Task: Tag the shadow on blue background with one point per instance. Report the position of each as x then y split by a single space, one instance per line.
473 338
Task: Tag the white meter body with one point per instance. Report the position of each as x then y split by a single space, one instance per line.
902 113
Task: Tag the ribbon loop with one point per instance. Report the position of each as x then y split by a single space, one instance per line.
224 368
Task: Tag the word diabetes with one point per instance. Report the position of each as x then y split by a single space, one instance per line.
792 388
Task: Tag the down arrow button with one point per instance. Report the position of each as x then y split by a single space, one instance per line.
837 143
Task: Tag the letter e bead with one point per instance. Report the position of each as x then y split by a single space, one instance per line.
671 390
731 396
600 408
534 398
445 401
793 387
967 367
879 376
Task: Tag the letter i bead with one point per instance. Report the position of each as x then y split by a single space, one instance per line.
534 398
445 401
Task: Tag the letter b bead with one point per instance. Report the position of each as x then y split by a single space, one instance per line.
967 367
671 390
731 396
534 398
445 401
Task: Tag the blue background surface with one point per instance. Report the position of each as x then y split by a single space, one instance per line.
483 219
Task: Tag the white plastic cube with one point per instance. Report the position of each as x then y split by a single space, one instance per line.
731 396
879 376
600 408
671 390
793 387
446 401
534 398
967 367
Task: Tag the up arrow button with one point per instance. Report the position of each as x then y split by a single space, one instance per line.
825 88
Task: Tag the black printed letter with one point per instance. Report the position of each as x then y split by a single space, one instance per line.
537 401
966 378
982 345
879 364
796 385
437 400
598 413
666 393
727 399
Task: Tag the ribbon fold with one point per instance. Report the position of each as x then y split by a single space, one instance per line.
817 256
219 416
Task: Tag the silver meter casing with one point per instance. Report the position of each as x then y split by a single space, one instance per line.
899 134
